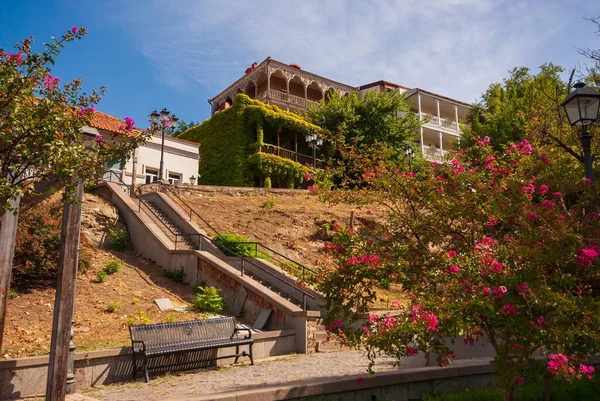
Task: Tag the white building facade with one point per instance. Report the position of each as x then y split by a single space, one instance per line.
180 157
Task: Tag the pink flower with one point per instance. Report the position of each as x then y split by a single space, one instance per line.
368 211
519 346
18 57
167 122
518 380
543 189
360 379
487 241
98 139
458 170
586 256
586 370
557 194
368 175
522 288
548 203
561 217
352 261
587 181
528 189
451 254
540 321
410 351
388 322
91 109
454 269
410 174
74 29
308 176
492 221
509 310
395 305
490 161
431 319
50 82
366 331
556 362
532 216
497 267
499 292
129 123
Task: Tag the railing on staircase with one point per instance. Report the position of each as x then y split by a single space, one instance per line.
246 265
258 247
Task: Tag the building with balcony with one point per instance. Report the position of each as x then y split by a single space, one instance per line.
441 117
293 89
284 85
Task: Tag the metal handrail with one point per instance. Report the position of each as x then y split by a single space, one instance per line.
125 186
243 259
257 244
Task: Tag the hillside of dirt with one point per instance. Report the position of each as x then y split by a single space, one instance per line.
131 290
293 223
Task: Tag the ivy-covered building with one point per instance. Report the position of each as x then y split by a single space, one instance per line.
253 144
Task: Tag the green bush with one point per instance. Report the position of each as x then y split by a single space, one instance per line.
171 318
135 301
112 266
101 276
269 204
12 294
139 318
176 275
232 245
272 167
208 300
112 306
119 239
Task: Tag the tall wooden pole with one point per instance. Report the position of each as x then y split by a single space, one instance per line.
8 234
64 302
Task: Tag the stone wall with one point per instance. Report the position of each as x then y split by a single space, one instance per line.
26 377
209 190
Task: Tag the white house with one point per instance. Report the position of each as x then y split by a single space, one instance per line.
180 156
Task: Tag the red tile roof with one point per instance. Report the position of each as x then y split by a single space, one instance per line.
110 123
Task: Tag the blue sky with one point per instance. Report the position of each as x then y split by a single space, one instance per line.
176 54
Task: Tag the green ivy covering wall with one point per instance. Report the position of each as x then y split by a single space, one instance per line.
228 140
272 167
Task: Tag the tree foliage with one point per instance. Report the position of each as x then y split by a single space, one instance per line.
41 123
485 251
379 117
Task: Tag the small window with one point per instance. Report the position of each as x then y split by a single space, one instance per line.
151 175
174 178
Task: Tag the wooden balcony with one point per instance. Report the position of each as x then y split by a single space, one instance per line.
290 154
285 97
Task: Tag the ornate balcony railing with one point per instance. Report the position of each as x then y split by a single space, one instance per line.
290 154
285 97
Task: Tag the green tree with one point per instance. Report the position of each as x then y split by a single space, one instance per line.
181 127
482 249
41 123
379 117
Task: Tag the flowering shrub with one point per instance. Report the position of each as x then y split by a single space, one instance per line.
483 250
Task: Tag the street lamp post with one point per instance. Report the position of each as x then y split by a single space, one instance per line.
408 154
165 122
314 142
581 107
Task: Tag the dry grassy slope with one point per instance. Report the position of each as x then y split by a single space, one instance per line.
134 288
292 226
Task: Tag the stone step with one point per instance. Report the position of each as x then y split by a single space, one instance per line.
329 346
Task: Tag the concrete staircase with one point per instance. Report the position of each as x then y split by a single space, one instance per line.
323 343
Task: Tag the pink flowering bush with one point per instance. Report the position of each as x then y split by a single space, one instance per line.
483 250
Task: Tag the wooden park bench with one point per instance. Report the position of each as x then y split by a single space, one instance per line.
164 339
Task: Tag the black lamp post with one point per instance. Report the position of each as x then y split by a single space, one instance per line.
581 107
165 122
408 154
314 142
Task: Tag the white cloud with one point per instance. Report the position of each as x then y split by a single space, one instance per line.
453 47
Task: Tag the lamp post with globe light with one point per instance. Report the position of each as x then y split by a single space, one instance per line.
314 142
581 107
165 121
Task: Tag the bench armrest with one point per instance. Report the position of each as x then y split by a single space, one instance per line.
242 329
133 342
